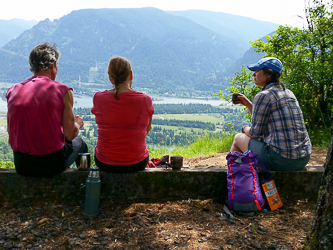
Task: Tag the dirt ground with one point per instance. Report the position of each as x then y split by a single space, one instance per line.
318 157
186 224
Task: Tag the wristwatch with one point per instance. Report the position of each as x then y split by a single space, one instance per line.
243 129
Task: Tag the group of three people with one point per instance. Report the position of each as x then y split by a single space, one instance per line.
43 128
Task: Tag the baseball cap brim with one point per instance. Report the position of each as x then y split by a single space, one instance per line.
267 62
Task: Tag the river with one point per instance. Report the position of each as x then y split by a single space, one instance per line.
86 101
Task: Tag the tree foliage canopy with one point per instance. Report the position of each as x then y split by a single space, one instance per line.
307 56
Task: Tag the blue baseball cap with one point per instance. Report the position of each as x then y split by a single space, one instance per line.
267 62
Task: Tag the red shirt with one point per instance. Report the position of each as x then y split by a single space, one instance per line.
122 126
34 117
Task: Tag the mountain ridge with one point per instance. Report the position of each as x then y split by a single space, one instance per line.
169 53
221 23
10 29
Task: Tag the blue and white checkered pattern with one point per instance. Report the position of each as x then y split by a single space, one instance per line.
278 120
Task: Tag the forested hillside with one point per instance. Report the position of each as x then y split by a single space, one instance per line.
169 53
233 27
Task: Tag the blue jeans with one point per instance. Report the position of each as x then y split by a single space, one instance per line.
273 160
51 164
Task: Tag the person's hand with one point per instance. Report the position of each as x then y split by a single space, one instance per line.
244 100
79 121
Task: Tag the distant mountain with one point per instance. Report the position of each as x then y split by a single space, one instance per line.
249 57
169 53
10 29
222 79
236 28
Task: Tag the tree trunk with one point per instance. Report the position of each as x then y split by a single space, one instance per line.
320 235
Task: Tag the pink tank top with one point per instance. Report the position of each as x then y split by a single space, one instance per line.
34 117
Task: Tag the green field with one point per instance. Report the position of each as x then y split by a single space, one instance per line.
4 136
178 129
214 118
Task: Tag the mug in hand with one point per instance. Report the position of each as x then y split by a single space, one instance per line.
235 99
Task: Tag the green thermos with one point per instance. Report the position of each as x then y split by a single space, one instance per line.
93 190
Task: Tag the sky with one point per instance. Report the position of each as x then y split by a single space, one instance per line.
276 11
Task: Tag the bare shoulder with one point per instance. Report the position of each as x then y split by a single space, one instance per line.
68 97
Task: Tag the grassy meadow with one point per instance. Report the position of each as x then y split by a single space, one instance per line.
208 144
214 118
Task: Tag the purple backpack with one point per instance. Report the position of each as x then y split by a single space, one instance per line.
244 193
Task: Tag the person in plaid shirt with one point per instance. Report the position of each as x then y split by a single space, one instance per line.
277 134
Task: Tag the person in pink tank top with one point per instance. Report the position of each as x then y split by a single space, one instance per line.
123 118
41 124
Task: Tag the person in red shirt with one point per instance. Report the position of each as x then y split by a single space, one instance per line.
123 117
40 117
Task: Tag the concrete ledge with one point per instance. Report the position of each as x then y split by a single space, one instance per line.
151 184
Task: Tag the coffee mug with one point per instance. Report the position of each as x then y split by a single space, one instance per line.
84 159
176 162
235 99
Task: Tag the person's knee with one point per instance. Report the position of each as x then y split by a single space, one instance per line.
241 141
237 138
80 144
85 147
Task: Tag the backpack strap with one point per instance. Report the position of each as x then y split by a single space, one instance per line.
229 217
264 169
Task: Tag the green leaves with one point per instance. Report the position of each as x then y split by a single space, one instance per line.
242 83
307 56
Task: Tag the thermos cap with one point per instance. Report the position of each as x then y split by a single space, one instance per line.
94 172
83 153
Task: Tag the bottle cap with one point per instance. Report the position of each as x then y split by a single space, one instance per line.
94 172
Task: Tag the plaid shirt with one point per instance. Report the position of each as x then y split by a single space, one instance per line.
278 120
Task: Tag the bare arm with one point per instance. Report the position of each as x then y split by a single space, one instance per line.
149 125
71 124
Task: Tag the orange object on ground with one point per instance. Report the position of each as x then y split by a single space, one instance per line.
272 195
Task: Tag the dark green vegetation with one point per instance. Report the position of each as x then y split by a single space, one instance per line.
189 109
189 124
169 52
6 153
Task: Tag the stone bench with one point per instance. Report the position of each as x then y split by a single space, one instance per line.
151 184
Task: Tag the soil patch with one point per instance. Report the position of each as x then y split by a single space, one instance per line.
317 158
187 224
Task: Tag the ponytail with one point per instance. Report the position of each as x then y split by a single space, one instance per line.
116 93
118 71
274 77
